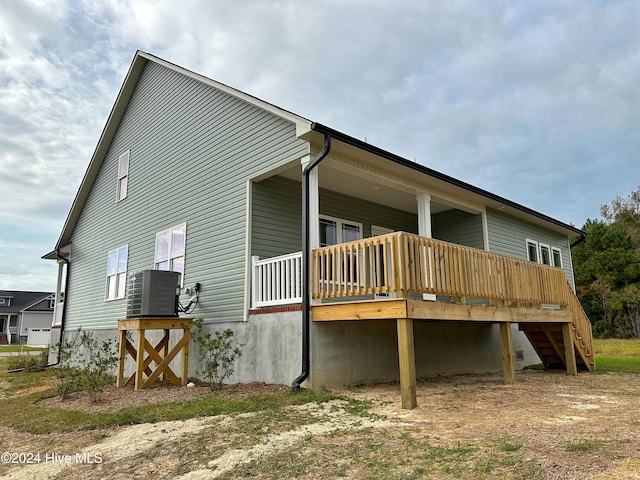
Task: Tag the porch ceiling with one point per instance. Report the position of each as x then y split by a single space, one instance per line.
378 191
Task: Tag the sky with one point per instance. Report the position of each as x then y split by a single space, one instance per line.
538 102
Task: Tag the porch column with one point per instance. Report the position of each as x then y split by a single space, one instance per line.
57 312
424 226
506 346
407 361
569 350
424 215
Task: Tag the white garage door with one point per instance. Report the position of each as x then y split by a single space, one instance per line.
39 336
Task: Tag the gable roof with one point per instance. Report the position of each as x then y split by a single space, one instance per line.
140 59
21 300
305 128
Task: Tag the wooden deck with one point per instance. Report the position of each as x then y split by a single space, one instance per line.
430 280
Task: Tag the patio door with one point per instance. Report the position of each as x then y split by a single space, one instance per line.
336 230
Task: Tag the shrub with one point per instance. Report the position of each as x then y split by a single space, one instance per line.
218 352
85 364
30 363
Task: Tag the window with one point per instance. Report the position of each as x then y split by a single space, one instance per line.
117 273
123 176
170 246
541 253
335 230
532 251
545 254
2 301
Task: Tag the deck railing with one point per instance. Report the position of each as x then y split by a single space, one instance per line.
404 263
277 280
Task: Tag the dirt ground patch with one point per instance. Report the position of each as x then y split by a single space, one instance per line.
546 426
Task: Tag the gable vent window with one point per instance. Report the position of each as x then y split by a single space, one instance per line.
170 246
117 273
123 176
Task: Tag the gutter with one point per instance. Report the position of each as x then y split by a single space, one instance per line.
578 240
367 147
306 300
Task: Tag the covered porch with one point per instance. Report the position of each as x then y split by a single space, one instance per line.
407 278
464 261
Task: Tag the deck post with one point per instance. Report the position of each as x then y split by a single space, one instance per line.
569 351
122 353
508 361
407 361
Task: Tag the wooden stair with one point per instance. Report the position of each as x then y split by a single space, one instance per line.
548 342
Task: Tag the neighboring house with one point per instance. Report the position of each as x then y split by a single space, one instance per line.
194 176
25 317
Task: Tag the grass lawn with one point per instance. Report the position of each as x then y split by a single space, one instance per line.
613 355
19 348
354 433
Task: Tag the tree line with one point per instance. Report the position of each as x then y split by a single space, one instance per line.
607 268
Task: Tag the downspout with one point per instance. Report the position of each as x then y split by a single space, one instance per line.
64 308
306 300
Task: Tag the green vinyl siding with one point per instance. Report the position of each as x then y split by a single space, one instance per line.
368 213
193 149
277 219
508 235
459 227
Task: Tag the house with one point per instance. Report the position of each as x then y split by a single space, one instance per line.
25 317
407 266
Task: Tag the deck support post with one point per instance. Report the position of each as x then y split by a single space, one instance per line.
407 361
569 351
508 360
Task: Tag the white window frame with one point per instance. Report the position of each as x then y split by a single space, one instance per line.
536 245
2 301
340 222
539 247
115 288
174 259
122 186
557 250
544 247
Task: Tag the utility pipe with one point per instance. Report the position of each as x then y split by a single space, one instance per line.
306 301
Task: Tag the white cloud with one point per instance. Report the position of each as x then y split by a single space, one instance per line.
536 101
